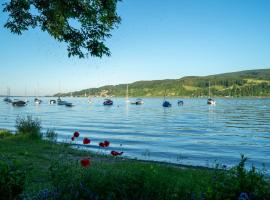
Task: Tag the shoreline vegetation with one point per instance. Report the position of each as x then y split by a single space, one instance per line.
249 83
34 166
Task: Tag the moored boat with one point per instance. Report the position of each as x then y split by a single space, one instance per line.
69 104
52 101
7 99
210 101
108 102
180 103
37 101
137 102
18 103
166 104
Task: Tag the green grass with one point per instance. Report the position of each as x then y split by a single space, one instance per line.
56 167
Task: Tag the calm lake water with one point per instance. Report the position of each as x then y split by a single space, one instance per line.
193 134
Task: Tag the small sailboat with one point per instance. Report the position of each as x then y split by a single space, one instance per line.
108 102
7 98
210 101
165 103
137 102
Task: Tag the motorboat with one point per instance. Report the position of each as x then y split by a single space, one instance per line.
37 101
180 103
137 102
18 103
166 104
211 101
108 102
52 101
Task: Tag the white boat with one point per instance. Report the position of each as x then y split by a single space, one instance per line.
37 101
52 101
210 101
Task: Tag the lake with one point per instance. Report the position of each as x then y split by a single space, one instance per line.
193 134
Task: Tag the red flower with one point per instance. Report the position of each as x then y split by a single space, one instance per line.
72 138
85 162
115 153
101 144
76 134
86 141
106 143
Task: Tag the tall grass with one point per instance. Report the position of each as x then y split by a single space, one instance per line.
29 127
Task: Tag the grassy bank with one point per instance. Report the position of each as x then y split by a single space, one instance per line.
42 169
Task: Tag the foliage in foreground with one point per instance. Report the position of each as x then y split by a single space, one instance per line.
5 133
12 179
56 173
29 127
51 135
83 25
152 181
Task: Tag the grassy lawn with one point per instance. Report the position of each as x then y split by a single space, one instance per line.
55 170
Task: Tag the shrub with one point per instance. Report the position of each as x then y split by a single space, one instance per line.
29 127
12 179
5 133
239 183
51 135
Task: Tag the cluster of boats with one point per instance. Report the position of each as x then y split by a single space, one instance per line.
107 102
20 103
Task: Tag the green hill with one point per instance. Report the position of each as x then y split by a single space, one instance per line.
237 84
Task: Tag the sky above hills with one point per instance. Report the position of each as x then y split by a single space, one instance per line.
156 39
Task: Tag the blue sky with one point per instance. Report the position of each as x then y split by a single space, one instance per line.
157 39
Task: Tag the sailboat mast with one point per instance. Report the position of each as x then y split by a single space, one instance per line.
209 95
127 93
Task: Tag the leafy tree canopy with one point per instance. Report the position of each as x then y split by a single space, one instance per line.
82 24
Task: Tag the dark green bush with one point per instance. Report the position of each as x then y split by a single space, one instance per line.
12 180
29 127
